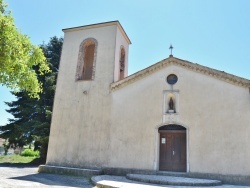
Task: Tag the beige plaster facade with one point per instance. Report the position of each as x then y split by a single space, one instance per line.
105 122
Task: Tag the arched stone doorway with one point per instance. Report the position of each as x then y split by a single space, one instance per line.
173 148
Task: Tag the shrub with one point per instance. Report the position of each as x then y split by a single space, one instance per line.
30 153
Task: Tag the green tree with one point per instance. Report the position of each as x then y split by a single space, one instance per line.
32 116
17 130
18 56
6 147
52 52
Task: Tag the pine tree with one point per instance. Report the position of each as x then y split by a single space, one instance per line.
15 130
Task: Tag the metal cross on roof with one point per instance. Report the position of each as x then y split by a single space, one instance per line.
171 48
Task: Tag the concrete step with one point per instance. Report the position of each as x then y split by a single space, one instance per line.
69 171
168 173
172 180
108 181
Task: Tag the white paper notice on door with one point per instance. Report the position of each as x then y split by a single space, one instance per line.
163 140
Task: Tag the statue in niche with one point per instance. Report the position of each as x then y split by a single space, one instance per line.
171 104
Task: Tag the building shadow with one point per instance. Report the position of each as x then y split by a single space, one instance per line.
56 180
18 165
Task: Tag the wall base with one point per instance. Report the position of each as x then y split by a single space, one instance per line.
69 171
226 179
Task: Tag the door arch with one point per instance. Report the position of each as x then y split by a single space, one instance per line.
173 148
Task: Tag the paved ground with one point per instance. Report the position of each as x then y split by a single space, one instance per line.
17 177
20 177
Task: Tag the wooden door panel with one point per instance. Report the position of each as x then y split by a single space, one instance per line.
165 151
173 151
179 160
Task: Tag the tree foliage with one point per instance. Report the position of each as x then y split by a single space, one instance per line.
32 116
18 56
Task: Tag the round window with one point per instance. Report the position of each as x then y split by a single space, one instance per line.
172 79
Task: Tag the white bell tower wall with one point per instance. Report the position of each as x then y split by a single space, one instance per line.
82 105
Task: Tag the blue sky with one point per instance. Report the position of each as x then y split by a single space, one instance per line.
214 33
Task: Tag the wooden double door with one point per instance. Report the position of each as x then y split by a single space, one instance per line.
173 150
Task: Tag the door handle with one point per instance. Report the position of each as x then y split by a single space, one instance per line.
173 152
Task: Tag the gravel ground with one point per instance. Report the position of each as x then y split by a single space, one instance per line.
13 177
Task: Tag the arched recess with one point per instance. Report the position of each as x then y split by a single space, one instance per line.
86 60
122 63
172 148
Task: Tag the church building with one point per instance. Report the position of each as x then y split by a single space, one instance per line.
174 116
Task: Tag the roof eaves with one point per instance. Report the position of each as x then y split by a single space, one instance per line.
221 75
90 26
116 22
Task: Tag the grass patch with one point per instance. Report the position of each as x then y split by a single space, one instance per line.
30 153
16 159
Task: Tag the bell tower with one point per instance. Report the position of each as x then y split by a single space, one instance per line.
100 52
93 57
